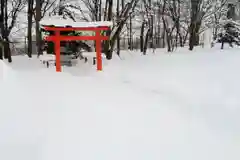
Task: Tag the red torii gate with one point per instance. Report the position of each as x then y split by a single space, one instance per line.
57 38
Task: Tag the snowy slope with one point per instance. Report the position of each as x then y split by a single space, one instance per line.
183 106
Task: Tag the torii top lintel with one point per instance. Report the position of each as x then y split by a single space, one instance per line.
57 23
69 28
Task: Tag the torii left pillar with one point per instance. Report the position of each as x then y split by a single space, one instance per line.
57 52
98 50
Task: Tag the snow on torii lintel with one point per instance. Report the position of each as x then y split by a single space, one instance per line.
60 22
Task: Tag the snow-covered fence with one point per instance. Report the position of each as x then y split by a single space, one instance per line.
20 48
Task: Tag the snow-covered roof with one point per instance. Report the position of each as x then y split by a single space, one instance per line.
60 22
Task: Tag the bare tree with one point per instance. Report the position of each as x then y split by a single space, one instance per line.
30 24
40 10
175 14
168 27
118 20
2 28
38 16
8 21
200 11
109 15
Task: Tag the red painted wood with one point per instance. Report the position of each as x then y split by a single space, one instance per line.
57 38
72 38
57 52
98 51
76 28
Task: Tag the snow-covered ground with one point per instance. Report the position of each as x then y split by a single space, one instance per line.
179 106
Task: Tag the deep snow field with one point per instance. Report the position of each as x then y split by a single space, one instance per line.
178 106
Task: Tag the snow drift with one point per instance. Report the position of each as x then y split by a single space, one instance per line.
178 107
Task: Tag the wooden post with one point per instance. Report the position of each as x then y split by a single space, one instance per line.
57 51
98 50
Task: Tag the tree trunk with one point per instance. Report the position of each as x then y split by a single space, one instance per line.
60 9
30 17
169 40
192 37
146 42
197 39
163 37
130 42
118 20
7 50
108 33
195 23
38 33
168 34
141 37
1 51
5 30
179 35
96 9
123 4
151 32
100 11
5 47
1 28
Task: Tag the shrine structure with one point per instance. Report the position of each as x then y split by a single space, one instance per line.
57 25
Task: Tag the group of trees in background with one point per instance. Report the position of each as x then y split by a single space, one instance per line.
157 23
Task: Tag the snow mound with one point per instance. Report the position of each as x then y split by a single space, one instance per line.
7 74
4 69
174 107
1 68
58 117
